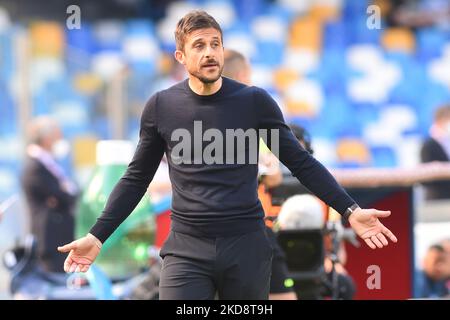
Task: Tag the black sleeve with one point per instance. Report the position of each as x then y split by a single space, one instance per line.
132 186
311 173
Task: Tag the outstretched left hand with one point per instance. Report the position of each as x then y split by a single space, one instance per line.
366 225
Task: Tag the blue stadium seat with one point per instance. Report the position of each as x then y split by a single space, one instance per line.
278 11
41 104
145 67
9 182
407 91
360 34
354 8
239 27
168 47
196 2
334 35
335 113
8 116
133 127
383 157
430 42
365 113
404 60
6 52
108 35
102 128
432 95
140 86
247 10
270 53
349 165
80 40
139 27
334 72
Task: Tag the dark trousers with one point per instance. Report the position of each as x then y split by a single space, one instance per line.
236 267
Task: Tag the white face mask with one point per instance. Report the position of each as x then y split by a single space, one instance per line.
61 149
447 129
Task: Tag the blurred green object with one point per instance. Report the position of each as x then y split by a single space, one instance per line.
125 252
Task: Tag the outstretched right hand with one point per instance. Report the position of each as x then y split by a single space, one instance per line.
82 253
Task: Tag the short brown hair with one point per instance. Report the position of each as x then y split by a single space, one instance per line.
442 113
194 20
233 63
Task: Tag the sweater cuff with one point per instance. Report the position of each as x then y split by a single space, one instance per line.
99 232
342 204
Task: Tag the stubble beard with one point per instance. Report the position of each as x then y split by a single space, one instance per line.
206 80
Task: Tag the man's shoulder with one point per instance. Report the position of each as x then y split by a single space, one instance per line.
430 143
172 90
32 168
32 164
240 88
164 96
432 150
233 84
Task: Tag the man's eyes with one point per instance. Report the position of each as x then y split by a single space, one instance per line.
201 45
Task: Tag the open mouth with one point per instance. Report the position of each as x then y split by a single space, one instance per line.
211 65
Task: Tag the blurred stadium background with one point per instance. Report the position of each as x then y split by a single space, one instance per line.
366 95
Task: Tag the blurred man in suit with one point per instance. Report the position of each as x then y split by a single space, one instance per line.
437 148
49 193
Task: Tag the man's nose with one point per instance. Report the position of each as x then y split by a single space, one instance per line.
208 51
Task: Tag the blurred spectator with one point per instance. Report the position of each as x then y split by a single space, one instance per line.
302 136
431 281
236 67
49 193
418 13
437 148
446 245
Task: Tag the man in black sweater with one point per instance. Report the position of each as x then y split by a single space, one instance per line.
217 242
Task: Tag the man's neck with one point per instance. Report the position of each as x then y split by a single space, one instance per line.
204 89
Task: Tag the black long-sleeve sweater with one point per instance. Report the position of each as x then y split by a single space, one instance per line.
212 199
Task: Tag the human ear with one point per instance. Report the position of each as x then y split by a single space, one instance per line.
179 56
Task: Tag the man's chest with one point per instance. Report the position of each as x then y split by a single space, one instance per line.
205 120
